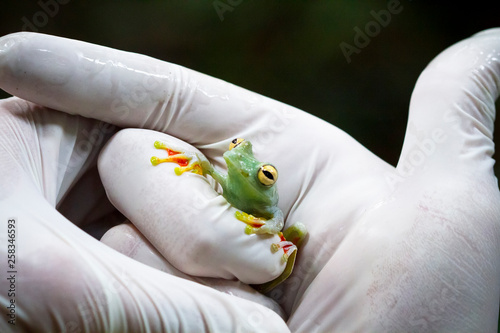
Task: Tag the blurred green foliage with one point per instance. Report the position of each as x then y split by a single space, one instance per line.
288 50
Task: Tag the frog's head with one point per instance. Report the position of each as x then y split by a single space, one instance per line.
251 183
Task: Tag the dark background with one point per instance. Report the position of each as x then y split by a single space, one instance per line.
288 50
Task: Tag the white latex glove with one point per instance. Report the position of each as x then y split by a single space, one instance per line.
412 248
62 279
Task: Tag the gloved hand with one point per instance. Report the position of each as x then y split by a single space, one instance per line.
57 278
412 248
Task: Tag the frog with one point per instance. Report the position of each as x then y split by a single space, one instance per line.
250 186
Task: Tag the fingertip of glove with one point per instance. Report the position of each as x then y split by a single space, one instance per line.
493 32
7 42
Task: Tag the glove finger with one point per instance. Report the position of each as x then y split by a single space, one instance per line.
64 280
51 148
132 90
189 223
126 239
452 110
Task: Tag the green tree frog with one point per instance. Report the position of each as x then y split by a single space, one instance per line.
249 185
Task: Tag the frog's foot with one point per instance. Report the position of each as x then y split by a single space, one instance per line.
287 246
291 239
183 160
257 225
268 286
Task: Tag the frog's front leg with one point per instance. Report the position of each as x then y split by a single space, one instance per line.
216 175
186 161
258 225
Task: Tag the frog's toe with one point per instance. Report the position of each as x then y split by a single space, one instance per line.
179 171
193 168
287 246
249 219
250 230
243 217
159 145
155 160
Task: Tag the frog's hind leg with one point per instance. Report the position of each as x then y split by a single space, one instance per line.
291 239
268 286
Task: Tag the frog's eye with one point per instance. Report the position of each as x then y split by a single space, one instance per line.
267 175
235 142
